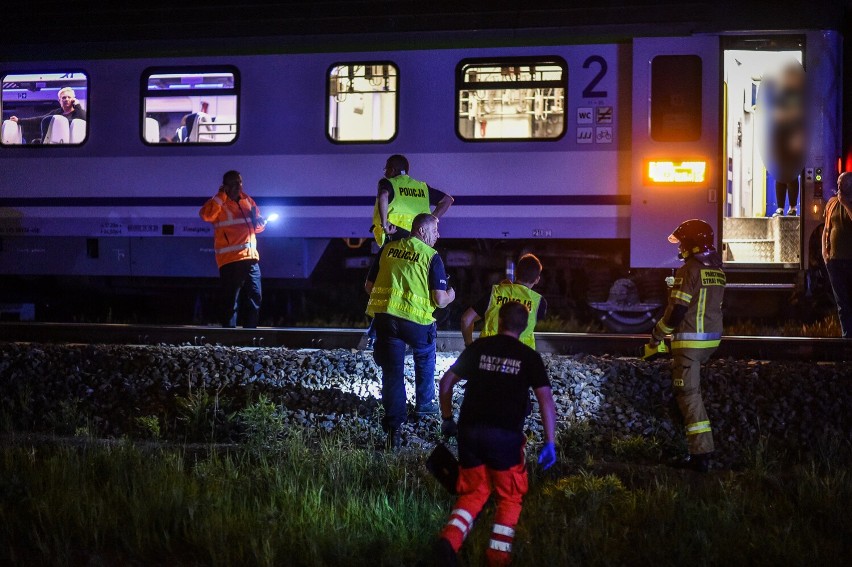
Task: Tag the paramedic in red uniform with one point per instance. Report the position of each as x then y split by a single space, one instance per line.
693 317
499 371
236 221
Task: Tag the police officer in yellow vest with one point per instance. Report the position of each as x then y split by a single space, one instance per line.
527 274
406 283
694 318
401 198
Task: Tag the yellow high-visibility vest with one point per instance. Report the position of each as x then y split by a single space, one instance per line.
402 284
410 198
503 293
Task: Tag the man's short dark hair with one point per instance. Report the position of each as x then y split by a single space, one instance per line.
231 178
398 162
423 219
513 317
528 268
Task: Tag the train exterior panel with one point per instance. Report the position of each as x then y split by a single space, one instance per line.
121 203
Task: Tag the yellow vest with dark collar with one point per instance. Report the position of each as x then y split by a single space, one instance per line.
410 198
503 293
402 284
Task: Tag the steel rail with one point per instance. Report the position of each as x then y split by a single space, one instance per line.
738 347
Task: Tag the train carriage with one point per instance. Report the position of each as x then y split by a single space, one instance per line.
548 143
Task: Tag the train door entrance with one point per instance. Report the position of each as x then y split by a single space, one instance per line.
761 222
675 142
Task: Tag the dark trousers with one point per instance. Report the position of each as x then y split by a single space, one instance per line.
495 447
840 275
392 334
784 190
240 279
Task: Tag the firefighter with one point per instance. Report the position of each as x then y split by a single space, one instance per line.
500 370
527 273
401 198
406 283
694 318
236 221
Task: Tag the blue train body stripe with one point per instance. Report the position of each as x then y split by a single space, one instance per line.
354 201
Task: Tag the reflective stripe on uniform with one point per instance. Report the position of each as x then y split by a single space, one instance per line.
699 313
461 519
664 329
698 427
227 249
498 545
463 514
500 529
455 522
681 295
695 344
697 336
230 222
218 200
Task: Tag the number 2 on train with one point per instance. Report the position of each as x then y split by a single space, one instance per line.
589 91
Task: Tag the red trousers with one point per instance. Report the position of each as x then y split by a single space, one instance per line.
474 487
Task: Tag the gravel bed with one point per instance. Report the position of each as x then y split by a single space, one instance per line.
794 405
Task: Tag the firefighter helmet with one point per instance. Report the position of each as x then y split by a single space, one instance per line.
693 237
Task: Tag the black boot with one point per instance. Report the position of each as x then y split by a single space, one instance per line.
393 441
698 463
443 554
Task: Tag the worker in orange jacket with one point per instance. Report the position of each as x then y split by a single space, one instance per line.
236 221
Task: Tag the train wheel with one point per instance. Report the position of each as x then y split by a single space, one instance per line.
630 322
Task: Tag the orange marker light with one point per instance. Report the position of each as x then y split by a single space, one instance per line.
677 172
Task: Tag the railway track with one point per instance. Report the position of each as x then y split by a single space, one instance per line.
738 347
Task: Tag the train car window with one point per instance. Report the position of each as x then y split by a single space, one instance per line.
190 106
511 99
676 98
363 102
45 109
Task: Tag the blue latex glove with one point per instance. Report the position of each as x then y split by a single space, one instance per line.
449 427
547 456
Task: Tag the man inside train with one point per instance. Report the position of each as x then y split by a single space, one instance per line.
69 107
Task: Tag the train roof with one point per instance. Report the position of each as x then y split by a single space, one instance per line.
159 27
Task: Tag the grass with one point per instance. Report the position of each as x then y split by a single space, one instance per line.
828 327
331 503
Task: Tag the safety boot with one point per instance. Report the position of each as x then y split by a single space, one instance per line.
698 463
393 440
443 554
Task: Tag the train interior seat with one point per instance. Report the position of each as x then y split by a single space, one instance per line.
58 130
181 134
152 131
11 133
77 131
200 127
225 127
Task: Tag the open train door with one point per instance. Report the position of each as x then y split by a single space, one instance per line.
675 161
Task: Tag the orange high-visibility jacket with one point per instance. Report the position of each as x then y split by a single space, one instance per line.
234 227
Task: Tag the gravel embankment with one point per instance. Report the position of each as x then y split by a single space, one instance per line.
48 387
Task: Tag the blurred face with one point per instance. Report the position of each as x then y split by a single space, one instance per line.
67 100
844 185
782 99
234 188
